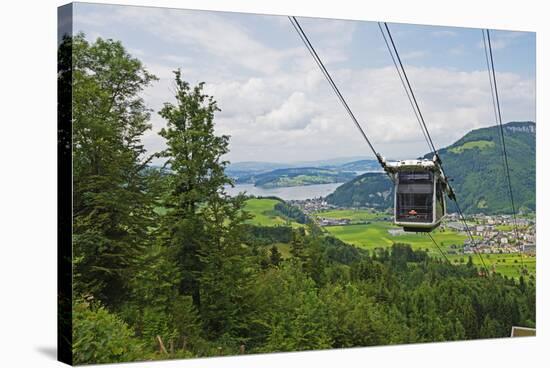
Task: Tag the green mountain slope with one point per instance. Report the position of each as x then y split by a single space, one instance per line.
368 190
475 164
292 177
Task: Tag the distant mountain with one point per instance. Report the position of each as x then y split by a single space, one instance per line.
368 190
475 164
360 165
300 176
327 171
242 172
266 166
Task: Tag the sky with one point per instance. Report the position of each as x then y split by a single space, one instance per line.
276 105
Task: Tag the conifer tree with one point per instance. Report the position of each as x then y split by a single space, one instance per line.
193 155
112 210
203 225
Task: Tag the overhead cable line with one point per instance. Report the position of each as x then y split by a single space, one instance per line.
452 194
412 97
440 250
492 88
471 236
329 79
431 143
499 115
404 86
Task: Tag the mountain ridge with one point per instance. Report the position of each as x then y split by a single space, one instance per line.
474 163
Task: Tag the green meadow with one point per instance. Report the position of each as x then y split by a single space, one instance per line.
264 213
355 215
376 235
506 264
481 144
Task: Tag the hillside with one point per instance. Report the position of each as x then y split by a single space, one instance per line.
298 176
273 212
368 190
269 174
475 165
360 165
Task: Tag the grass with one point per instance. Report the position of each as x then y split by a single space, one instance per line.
264 214
506 264
284 248
482 144
355 215
508 227
376 235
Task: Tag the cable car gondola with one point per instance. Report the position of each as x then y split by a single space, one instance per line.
420 185
419 193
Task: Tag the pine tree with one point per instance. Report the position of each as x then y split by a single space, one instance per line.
298 247
275 256
227 271
111 207
196 176
203 225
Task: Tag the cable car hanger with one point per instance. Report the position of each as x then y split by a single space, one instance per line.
412 178
419 185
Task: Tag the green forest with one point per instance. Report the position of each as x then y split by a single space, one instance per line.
167 265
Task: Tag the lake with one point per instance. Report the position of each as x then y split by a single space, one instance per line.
286 193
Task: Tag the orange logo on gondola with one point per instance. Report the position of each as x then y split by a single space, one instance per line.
412 212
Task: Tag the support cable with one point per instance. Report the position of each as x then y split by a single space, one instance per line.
325 72
440 250
431 143
416 107
507 166
404 86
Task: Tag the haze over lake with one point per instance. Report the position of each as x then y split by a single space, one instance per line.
286 193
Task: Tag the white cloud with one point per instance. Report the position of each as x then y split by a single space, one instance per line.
286 116
418 54
444 33
294 114
452 102
457 51
277 106
206 30
502 39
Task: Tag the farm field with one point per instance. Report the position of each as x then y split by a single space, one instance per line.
376 235
506 264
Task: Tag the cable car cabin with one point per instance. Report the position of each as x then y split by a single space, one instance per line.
419 203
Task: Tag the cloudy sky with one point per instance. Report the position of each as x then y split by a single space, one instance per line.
276 104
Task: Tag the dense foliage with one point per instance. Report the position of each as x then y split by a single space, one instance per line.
197 280
264 235
291 212
368 190
475 164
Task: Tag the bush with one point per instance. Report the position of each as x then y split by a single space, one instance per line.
100 336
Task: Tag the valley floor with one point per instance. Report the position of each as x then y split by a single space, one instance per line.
370 229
